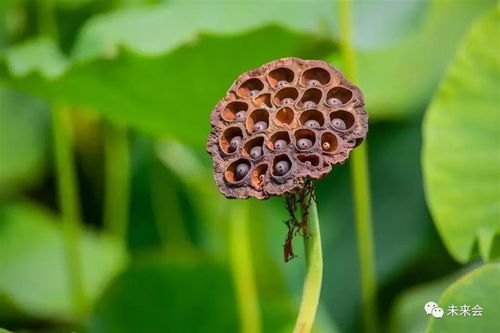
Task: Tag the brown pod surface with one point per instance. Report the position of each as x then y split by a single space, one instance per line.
278 124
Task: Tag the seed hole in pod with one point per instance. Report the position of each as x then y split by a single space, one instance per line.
232 109
304 139
231 139
311 160
281 165
254 148
312 118
259 174
279 141
286 96
329 142
237 170
341 120
264 100
310 98
280 77
250 88
258 121
284 116
315 76
337 96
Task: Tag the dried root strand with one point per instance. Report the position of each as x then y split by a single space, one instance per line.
298 227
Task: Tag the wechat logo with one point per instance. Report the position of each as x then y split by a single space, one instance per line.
431 308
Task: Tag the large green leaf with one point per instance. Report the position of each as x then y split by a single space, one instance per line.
480 287
401 78
161 69
461 157
142 66
33 274
23 140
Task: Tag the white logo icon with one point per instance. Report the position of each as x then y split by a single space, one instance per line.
429 306
437 312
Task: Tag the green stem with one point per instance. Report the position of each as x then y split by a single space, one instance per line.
69 203
67 188
361 189
361 186
243 270
117 169
312 283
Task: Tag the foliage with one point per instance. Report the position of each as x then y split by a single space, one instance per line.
407 310
153 286
479 287
118 52
157 68
33 279
23 157
461 146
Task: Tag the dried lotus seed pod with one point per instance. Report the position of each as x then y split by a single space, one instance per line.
281 124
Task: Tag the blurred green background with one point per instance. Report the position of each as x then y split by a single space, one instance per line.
128 86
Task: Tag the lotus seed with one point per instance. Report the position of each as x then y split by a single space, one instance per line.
242 170
287 100
281 84
334 101
326 146
312 123
260 126
254 92
304 143
282 167
280 144
339 124
240 115
313 83
256 152
309 104
235 142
